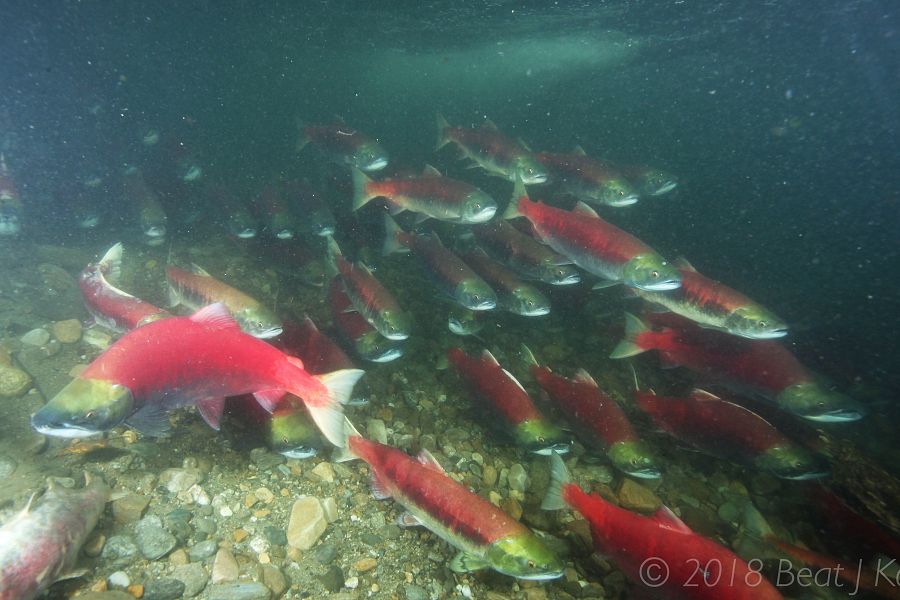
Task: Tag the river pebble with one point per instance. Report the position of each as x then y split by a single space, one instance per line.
152 539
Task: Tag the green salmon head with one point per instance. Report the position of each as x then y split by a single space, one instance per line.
792 462
369 157
651 272
394 325
634 458
241 224
283 226
561 275
374 347
812 401
475 294
83 408
478 208
529 170
321 222
463 321
153 224
524 556
259 321
755 322
529 302
616 192
293 434
656 183
541 437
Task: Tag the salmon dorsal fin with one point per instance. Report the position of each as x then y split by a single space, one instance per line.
703 395
513 379
215 316
683 263
489 125
524 144
486 355
309 324
582 376
578 150
198 270
583 209
428 460
666 518
430 171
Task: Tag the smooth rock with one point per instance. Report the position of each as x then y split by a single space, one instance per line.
415 592
307 523
152 539
325 554
94 545
180 480
13 381
119 580
193 576
324 472
68 331
517 478
35 337
224 567
274 579
333 579
165 588
376 431
203 550
120 551
331 511
239 591
96 338
129 508
634 496
114 595
488 476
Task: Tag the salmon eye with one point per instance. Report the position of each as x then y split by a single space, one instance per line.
654 274
284 440
762 323
531 563
89 414
541 439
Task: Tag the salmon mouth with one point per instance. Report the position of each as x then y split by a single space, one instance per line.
246 234
626 201
376 165
661 286
388 356
665 188
285 234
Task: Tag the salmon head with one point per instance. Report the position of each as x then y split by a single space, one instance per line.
813 401
755 322
529 170
524 556
792 462
374 347
369 156
83 408
259 321
475 294
651 272
292 433
529 302
654 182
478 207
616 192
634 458
541 437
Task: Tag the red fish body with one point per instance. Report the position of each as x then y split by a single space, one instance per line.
763 366
317 351
505 395
719 427
597 246
484 534
110 306
185 361
660 551
356 331
598 418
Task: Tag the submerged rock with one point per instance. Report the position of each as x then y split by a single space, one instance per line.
13 381
634 496
68 331
35 337
239 591
307 523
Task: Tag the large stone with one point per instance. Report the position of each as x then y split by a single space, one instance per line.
224 567
119 551
13 381
307 523
129 508
36 337
517 478
152 539
239 591
193 576
180 480
274 579
166 588
68 331
634 496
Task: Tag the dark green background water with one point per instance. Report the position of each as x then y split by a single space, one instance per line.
780 118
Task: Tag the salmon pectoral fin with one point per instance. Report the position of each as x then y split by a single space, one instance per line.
466 563
211 411
151 420
269 399
408 520
380 490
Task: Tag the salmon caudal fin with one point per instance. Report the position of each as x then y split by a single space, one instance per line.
629 346
391 237
559 477
527 356
442 126
329 416
111 263
512 209
343 453
361 182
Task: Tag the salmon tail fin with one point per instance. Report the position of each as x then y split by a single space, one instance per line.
361 182
512 209
559 477
391 237
442 126
528 356
629 346
332 255
302 137
111 263
329 417
343 453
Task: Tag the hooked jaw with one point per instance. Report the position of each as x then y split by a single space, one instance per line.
84 408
